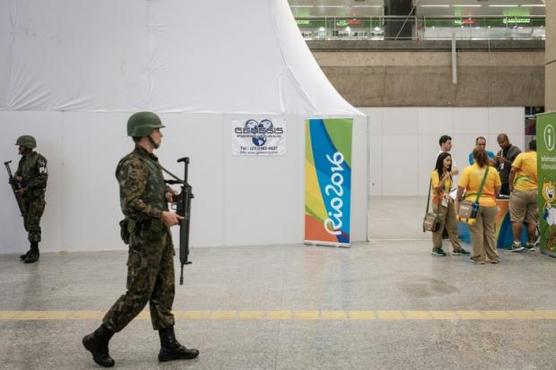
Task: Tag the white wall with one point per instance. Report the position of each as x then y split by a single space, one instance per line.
404 142
238 200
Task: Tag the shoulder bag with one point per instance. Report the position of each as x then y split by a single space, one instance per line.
468 209
431 221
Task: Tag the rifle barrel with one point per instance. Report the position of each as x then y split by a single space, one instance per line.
15 187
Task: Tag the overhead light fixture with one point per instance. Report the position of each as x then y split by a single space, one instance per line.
332 6
532 5
503 6
467 6
435 6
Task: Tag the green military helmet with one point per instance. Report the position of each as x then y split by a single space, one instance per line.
26 141
142 124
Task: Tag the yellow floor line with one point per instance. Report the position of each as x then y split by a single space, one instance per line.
279 315
417 315
470 315
362 315
305 315
390 315
444 315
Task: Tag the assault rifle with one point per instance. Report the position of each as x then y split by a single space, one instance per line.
16 186
183 208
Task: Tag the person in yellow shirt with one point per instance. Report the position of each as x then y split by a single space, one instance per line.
523 197
443 205
483 230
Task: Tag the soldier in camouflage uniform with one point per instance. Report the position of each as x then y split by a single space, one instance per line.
31 175
144 201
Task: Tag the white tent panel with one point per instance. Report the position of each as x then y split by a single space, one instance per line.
238 76
89 175
78 55
309 78
200 137
83 66
6 48
167 56
238 200
92 145
360 180
263 199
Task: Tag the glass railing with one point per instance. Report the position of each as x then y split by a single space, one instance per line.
423 28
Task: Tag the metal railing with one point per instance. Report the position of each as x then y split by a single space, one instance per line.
423 28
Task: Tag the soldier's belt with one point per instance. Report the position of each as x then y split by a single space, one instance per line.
137 226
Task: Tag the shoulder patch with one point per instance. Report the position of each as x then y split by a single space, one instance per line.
41 165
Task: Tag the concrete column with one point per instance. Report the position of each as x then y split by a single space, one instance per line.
397 28
550 58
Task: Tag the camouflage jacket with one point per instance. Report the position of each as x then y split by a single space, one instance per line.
142 187
32 169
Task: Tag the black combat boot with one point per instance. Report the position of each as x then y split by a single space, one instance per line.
97 344
33 255
23 256
171 349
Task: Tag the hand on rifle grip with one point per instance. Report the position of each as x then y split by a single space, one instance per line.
171 218
171 196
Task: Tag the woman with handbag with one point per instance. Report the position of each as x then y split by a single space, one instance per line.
478 188
443 206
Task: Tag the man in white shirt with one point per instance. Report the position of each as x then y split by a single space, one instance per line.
445 143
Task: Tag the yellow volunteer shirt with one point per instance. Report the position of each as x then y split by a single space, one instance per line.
435 180
471 179
526 176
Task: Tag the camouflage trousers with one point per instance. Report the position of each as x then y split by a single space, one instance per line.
34 209
150 278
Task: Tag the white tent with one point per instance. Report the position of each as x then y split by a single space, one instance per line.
72 71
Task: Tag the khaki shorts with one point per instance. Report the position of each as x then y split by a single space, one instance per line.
523 206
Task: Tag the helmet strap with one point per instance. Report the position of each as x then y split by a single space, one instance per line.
153 143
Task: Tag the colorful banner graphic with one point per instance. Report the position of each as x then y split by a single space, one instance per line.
328 181
258 137
546 167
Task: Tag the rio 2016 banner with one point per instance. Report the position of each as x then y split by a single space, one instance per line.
546 171
328 181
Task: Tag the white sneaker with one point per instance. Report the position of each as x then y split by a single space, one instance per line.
517 247
531 246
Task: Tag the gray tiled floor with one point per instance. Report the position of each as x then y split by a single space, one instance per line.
394 271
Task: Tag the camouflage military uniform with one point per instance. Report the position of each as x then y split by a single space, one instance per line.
151 252
32 169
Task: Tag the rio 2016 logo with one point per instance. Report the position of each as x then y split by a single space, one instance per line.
549 137
333 224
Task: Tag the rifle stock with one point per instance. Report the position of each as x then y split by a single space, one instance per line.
15 187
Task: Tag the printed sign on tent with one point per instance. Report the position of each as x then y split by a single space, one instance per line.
258 137
328 181
546 170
